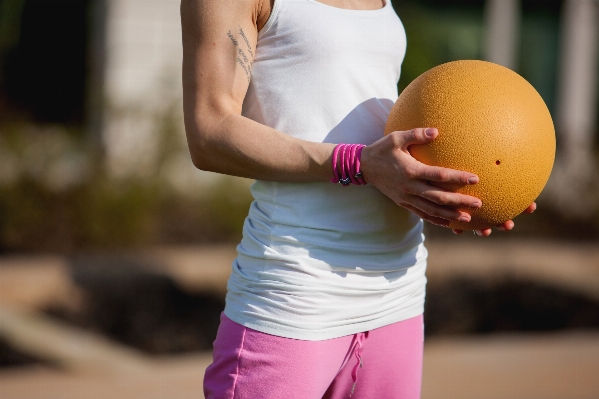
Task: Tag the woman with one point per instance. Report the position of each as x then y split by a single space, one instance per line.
329 281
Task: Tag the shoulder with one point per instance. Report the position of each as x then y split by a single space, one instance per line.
210 10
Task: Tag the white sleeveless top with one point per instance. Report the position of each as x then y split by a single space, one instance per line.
318 260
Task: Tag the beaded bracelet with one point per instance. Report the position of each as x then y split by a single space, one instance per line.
346 164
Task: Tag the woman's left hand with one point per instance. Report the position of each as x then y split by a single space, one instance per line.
505 226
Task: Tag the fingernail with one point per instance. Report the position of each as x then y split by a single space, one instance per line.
501 228
476 205
464 219
473 180
478 233
430 132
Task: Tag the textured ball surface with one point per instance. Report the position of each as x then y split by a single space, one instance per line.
491 122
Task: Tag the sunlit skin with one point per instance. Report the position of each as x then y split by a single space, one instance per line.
221 140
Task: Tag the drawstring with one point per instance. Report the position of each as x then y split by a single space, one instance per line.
358 348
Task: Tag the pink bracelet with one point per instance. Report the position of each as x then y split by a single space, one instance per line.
347 157
336 178
358 174
345 179
352 168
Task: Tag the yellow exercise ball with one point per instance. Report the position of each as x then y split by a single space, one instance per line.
491 122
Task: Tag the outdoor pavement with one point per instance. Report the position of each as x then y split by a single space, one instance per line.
562 365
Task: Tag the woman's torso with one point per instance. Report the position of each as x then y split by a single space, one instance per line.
315 255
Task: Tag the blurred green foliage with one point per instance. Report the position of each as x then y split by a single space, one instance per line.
437 34
104 213
97 213
48 203
539 49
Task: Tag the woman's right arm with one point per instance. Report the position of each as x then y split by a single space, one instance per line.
217 63
219 40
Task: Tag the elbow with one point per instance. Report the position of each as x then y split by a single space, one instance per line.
201 161
206 128
199 150
201 147
198 159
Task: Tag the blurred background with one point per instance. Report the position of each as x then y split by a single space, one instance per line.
115 250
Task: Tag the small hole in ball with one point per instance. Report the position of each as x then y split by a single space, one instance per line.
497 162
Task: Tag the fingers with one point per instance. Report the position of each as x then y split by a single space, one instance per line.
509 224
445 175
434 204
506 226
444 197
412 169
428 191
433 173
531 208
431 219
407 138
483 232
438 211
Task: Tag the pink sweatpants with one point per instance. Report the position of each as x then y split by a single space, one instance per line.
385 363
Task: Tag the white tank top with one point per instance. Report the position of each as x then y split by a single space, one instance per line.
318 260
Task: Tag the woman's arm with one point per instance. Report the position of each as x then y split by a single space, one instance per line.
216 71
217 63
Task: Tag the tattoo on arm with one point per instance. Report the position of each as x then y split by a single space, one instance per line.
242 59
232 38
247 42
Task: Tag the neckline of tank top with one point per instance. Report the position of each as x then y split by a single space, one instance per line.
277 3
384 7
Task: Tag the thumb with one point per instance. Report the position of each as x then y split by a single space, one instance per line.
416 136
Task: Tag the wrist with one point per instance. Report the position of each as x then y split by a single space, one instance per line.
346 165
365 161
